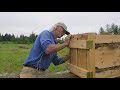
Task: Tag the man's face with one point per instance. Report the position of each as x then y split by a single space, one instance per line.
60 32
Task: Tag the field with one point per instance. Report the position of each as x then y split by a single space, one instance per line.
12 57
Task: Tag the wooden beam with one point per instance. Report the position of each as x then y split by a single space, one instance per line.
73 56
82 58
82 44
107 38
107 57
79 71
91 54
108 74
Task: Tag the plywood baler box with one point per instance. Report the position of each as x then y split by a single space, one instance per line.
95 56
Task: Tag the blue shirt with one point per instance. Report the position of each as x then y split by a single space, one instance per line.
37 56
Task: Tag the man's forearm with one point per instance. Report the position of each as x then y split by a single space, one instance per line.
55 47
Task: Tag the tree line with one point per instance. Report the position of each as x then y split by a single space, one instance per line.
8 38
18 40
110 29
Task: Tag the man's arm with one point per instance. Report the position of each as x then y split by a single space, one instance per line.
56 47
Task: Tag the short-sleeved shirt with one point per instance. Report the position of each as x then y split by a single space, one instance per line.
37 56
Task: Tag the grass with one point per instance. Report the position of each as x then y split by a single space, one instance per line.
61 67
12 57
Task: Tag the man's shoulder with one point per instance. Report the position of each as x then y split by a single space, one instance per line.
45 32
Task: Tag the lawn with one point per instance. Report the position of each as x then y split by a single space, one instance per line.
12 57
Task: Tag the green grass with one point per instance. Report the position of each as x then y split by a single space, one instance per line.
61 67
12 57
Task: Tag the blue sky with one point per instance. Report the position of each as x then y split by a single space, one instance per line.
77 22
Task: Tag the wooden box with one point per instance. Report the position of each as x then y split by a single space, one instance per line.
95 56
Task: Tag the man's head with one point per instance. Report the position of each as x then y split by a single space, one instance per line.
60 29
63 26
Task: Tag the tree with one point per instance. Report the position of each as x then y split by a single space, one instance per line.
21 40
32 37
12 38
0 37
101 31
6 37
110 29
119 30
115 29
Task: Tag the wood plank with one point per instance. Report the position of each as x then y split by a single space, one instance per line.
91 55
108 74
79 37
107 57
82 58
79 71
81 44
73 56
78 44
107 38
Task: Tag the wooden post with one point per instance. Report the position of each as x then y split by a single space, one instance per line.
91 54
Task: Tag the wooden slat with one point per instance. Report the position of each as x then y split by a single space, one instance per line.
107 57
81 44
108 74
79 71
78 44
73 56
82 58
91 55
107 38
79 37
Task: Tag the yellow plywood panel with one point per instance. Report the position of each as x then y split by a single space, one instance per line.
73 56
79 71
108 74
82 58
107 38
78 44
107 57
79 37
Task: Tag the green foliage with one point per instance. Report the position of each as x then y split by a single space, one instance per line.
32 37
110 29
0 37
59 41
18 40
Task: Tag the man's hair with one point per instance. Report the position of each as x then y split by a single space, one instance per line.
54 27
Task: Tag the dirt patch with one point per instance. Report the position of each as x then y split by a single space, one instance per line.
9 75
63 74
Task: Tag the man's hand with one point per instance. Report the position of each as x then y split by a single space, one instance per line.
67 39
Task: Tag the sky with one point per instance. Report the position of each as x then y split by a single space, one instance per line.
18 23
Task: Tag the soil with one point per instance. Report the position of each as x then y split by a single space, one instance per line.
64 74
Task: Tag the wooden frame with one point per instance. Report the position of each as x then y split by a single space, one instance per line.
85 57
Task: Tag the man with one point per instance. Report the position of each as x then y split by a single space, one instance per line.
44 51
